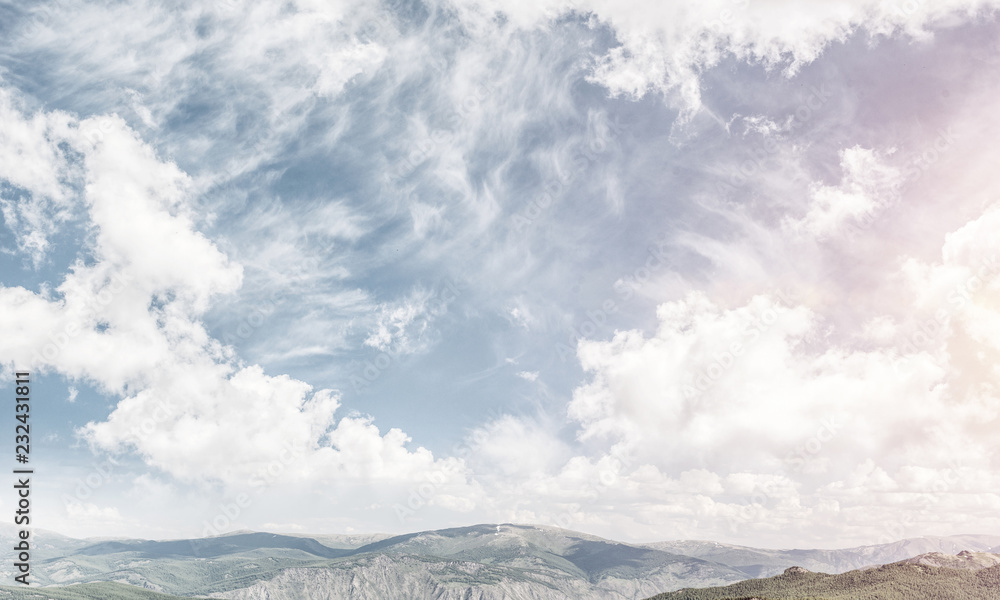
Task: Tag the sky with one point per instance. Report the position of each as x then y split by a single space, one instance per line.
723 270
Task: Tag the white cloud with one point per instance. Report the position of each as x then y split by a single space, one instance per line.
31 161
107 516
128 320
91 511
880 329
754 421
405 326
716 379
426 218
281 58
868 185
515 447
519 313
348 63
665 46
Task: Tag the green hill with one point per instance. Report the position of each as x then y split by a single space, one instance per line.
897 581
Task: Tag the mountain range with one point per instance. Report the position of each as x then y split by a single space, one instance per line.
932 576
480 562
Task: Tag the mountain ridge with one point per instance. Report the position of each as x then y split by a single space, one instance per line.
484 562
916 578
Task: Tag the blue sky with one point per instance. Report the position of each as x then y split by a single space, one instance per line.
651 271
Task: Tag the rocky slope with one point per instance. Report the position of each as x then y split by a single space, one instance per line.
972 561
410 578
913 579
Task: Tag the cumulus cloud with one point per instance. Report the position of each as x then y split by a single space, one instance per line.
735 419
36 198
742 387
511 446
128 319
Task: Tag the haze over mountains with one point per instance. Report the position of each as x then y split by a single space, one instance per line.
757 562
484 562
